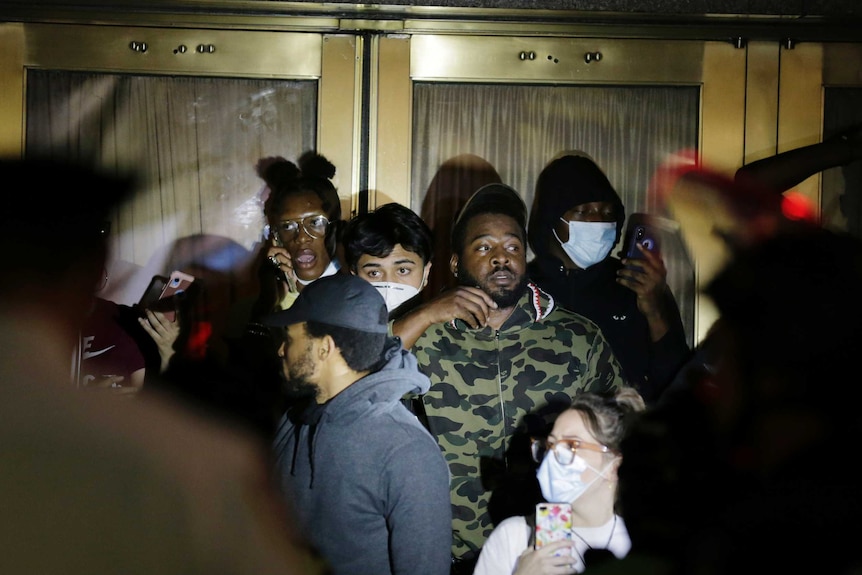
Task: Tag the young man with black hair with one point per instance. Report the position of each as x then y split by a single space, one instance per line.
369 483
502 359
392 248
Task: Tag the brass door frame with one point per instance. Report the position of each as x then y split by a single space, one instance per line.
11 89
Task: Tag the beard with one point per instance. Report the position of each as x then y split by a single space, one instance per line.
503 297
296 379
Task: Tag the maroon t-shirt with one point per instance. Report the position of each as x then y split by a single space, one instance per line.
107 347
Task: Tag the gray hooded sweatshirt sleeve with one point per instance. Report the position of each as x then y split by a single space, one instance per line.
368 482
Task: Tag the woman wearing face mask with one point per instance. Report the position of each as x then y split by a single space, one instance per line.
578 464
576 220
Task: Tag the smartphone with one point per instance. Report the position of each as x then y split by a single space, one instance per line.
178 282
553 523
641 230
288 276
153 291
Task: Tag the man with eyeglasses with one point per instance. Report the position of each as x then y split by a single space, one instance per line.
369 483
502 357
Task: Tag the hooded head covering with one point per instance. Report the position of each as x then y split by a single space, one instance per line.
565 183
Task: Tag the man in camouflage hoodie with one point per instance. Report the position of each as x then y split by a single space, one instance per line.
502 359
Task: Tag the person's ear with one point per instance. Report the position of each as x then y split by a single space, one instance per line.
426 273
453 265
325 346
614 468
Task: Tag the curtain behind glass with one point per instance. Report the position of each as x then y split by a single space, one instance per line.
513 131
193 141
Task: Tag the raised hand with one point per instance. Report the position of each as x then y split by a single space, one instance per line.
646 276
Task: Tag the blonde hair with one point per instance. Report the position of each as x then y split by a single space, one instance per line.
609 416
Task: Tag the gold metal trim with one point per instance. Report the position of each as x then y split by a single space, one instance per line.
174 51
332 17
339 114
800 122
722 144
761 101
394 123
11 90
538 59
373 121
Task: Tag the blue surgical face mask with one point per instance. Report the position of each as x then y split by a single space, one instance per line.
589 242
564 483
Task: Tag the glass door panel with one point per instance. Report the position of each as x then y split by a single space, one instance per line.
509 105
823 96
841 196
194 141
191 112
518 129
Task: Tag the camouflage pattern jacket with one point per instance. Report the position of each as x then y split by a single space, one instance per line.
488 386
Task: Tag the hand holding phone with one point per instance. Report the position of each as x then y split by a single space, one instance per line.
286 273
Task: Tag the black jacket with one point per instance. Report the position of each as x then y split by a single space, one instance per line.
594 293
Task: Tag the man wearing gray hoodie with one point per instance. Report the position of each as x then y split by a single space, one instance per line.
368 482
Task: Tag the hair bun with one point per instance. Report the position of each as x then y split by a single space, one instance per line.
630 400
315 165
277 171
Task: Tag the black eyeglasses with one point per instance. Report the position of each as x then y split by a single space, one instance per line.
314 226
564 449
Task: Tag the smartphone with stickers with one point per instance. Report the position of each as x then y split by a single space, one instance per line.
178 282
553 523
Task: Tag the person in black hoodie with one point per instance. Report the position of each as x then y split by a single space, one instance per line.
368 482
576 220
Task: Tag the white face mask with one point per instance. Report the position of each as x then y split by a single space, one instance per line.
589 242
563 483
395 294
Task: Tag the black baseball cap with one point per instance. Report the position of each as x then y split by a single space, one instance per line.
339 300
491 199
